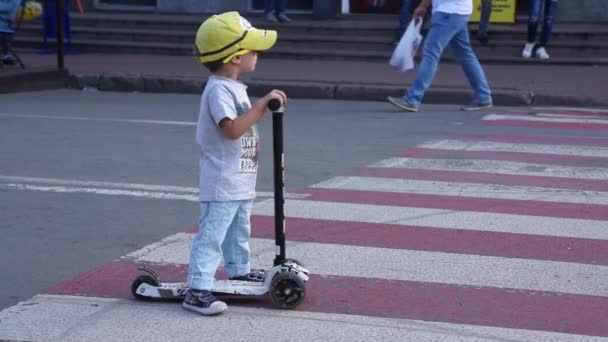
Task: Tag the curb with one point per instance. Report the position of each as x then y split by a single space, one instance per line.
320 90
13 81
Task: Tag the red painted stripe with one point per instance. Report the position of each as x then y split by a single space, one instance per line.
450 303
539 158
547 124
489 205
485 178
458 241
537 139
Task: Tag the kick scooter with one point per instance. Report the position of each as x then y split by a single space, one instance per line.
285 281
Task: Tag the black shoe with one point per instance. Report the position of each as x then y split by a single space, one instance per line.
203 302
255 276
9 59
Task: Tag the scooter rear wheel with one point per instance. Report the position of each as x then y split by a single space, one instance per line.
142 279
287 290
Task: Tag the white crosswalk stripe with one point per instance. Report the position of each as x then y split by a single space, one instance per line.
497 167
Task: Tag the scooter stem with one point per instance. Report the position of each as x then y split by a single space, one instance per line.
279 179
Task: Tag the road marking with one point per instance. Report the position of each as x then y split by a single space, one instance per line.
485 146
440 218
460 241
544 118
112 188
496 167
76 118
398 264
573 109
462 189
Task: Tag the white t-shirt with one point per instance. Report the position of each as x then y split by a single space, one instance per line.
228 168
464 7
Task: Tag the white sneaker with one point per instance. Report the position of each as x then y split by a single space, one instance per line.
527 53
542 53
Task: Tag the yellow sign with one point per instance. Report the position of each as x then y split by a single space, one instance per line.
503 11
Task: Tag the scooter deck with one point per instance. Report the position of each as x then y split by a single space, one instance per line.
222 287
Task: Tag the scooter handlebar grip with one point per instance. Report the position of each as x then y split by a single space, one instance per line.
274 105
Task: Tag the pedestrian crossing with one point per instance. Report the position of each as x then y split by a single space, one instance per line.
466 238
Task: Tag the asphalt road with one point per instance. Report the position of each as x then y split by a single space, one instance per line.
57 141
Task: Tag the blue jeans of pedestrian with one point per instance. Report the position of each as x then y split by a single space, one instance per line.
451 30
536 7
278 6
224 229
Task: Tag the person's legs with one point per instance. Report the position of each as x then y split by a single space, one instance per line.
533 19
550 8
484 21
5 40
442 30
236 244
206 252
268 6
269 12
463 52
280 11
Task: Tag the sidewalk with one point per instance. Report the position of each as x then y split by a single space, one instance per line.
346 80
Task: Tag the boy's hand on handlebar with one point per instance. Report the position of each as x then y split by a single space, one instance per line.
276 94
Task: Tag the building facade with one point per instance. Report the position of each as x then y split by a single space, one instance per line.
568 10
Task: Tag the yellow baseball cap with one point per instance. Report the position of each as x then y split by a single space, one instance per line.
226 35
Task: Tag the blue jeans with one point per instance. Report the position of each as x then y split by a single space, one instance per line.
280 7
534 18
448 29
224 229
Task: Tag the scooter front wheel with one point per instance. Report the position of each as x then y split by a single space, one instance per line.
142 279
287 290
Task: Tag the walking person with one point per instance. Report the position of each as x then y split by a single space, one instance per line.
448 28
8 13
274 11
536 7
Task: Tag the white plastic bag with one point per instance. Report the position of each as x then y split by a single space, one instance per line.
403 56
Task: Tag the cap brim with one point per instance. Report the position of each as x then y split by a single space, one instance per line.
259 40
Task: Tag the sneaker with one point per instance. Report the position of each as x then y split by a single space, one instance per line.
476 105
541 53
255 276
283 18
527 53
401 103
271 17
9 59
203 302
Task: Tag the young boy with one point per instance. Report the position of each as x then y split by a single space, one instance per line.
228 141
8 12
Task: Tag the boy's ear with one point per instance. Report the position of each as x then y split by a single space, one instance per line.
236 60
